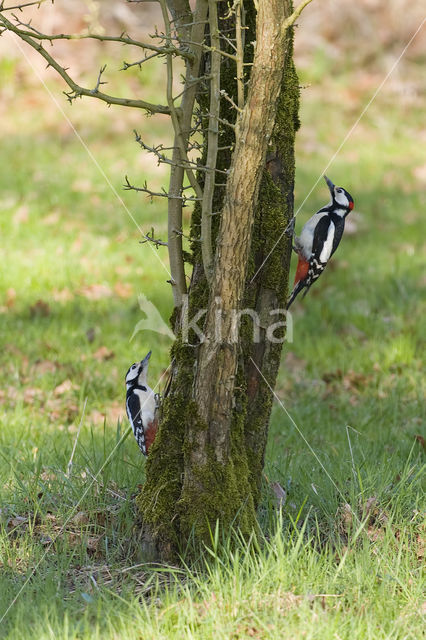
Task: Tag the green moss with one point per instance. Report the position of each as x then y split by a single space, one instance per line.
274 211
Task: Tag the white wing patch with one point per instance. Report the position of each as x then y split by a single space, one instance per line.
328 244
305 241
147 402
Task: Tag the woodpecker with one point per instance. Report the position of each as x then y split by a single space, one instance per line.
141 405
320 238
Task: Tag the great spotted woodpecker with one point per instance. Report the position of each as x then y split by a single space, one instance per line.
320 238
141 405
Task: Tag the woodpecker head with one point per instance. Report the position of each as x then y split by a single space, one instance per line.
340 198
136 374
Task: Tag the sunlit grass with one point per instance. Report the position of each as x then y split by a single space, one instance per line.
328 566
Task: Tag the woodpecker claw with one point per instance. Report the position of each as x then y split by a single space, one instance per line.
289 230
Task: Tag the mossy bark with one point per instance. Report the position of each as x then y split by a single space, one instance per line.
189 486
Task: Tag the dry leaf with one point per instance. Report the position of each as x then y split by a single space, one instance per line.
65 386
44 366
21 214
103 353
31 394
123 289
96 291
62 295
10 298
80 518
280 494
92 543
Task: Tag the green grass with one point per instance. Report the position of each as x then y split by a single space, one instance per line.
351 380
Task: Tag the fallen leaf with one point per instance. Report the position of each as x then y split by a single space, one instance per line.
280 494
21 214
420 173
92 543
82 185
31 394
95 291
44 366
123 289
51 218
10 298
103 353
62 295
80 518
65 386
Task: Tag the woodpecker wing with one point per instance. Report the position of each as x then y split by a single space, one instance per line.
133 408
322 244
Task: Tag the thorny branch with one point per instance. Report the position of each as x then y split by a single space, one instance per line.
123 38
163 159
153 240
238 4
21 6
176 200
157 194
76 90
212 144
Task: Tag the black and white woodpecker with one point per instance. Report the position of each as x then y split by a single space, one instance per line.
141 404
320 238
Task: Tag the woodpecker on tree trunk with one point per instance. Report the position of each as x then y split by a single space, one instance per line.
319 239
141 405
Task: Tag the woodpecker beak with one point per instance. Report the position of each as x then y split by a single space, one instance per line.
145 361
330 185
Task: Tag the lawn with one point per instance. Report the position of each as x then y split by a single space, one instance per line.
343 556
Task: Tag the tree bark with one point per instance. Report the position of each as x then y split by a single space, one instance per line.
219 405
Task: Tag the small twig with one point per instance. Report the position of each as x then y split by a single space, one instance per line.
206 47
161 194
21 6
288 22
27 25
155 241
230 100
69 465
163 159
139 63
98 83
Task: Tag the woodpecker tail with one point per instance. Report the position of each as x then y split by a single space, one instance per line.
297 289
300 278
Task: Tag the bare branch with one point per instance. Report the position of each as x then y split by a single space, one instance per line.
157 194
98 83
230 100
174 115
76 90
288 22
138 63
176 200
21 6
211 48
163 159
212 144
123 39
240 53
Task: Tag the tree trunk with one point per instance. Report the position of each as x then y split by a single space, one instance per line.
206 462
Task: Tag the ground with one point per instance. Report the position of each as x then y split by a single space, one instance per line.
343 557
